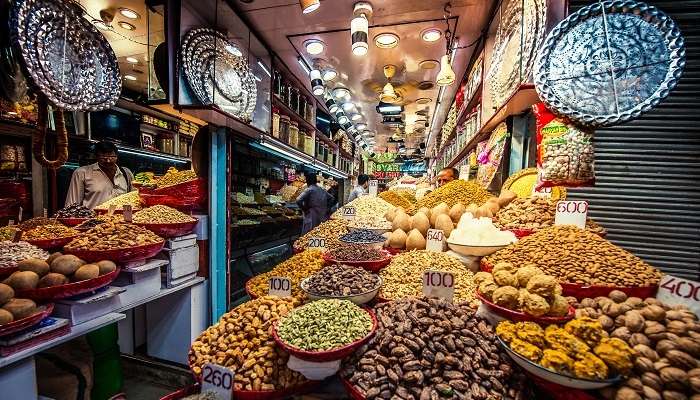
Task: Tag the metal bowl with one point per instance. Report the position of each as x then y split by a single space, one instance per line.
358 299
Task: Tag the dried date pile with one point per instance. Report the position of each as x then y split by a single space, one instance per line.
354 252
429 349
341 280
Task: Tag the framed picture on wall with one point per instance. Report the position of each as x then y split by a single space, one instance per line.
148 141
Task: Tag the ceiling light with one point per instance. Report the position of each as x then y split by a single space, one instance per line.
340 92
423 100
303 65
388 94
431 34
446 76
129 77
342 118
384 108
329 74
426 85
347 107
332 107
132 60
129 13
309 6
126 25
359 27
101 25
316 82
314 46
356 117
428 64
361 126
386 40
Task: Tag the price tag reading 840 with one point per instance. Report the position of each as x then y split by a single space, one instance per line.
349 213
438 284
436 240
373 184
280 286
678 291
217 379
317 243
571 213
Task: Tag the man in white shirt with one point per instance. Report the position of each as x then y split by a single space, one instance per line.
360 189
96 183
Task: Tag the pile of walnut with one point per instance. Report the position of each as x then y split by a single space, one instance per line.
666 340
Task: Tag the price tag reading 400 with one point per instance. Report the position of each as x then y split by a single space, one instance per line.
317 243
217 379
436 240
678 291
280 286
438 284
349 212
571 213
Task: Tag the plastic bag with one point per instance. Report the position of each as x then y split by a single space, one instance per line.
565 154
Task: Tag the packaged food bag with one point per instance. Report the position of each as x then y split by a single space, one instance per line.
565 154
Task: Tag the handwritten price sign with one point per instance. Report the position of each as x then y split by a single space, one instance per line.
674 291
544 192
349 213
464 172
127 213
571 213
217 379
436 240
438 284
280 286
317 243
373 188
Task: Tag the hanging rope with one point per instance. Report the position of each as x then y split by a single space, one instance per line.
39 138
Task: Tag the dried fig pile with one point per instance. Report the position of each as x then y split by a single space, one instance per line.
429 349
666 340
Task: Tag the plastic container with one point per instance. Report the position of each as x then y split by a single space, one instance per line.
284 128
329 355
171 230
69 289
371 265
275 124
358 299
43 311
519 316
120 255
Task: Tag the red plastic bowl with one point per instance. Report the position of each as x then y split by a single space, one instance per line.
520 316
69 289
354 392
119 256
72 221
26 322
393 251
50 244
247 290
171 230
371 265
328 355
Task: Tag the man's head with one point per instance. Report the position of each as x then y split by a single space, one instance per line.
447 175
310 178
106 154
363 180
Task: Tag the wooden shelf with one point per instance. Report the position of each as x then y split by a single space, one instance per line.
463 113
286 110
520 101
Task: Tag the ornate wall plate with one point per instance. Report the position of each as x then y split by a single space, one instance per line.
218 73
68 59
609 62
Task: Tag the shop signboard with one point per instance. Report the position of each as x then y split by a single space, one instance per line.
438 284
280 286
678 291
571 213
436 240
218 380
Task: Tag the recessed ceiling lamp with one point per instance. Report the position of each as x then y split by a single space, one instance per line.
340 92
347 107
101 25
129 77
314 46
431 34
361 126
126 25
359 27
129 13
309 6
356 117
423 100
316 82
329 74
132 60
386 40
342 118
428 64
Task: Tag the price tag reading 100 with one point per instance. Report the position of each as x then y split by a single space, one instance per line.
438 284
217 379
280 286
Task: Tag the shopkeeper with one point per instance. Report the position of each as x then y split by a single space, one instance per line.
361 188
313 202
447 175
96 183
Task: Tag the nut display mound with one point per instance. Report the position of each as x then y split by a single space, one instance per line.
403 277
362 236
50 236
241 341
34 222
342 281
396 199
165 221
457 191
526 289
13 252
478 236
8 233
117 242
75 211
372 222
174 177
531 214
132 198
432 349
296 268
580 349
578 257
324 330
329 230
666 341
365 206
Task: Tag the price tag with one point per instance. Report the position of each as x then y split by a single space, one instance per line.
249 192
280 286
349 213
544 192
438 284
317 243
217 379
112 209
46 213
10 222
128 214
464 171
571 213
674 291
436 240
373 188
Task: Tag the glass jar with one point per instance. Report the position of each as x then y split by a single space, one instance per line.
284 91
277 83
284 128
294 99
301 140
309 144
302 106
324 158
275 123
293 133
310 112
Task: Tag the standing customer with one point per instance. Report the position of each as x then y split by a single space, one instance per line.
361 188
96 183
313 203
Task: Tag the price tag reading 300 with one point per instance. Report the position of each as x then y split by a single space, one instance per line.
438 284
280 286
436 240
349 213
217 379
571 213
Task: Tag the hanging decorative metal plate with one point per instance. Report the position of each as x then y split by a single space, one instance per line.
609 62
218 73
68 59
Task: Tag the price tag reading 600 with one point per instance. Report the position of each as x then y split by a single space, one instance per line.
280 286
438 284
571 213
217 379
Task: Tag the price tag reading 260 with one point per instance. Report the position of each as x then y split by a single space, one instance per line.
280 286
438 284
217 379
571 213
349 212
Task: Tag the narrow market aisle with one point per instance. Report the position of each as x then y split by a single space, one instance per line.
149 380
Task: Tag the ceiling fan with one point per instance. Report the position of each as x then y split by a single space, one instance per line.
391 92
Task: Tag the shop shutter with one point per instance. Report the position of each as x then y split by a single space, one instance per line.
648 171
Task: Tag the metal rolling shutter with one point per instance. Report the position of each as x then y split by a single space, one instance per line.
647 191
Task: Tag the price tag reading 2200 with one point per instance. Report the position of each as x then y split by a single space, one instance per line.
217 379
438 284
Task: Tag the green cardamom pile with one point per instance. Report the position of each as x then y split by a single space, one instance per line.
324 325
